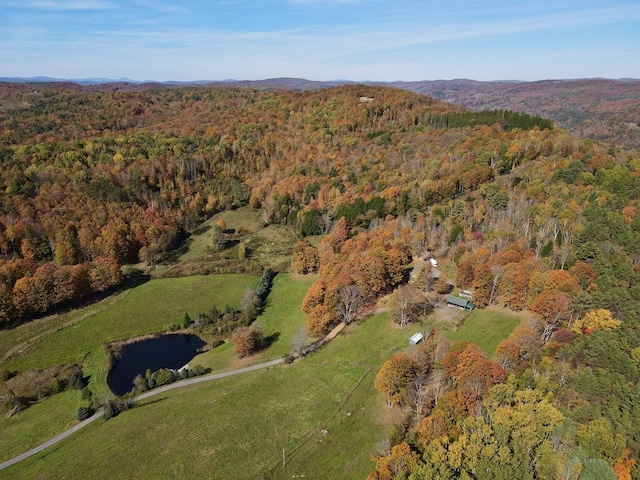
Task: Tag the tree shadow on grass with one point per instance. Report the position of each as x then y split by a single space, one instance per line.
201 229
271 339
146 402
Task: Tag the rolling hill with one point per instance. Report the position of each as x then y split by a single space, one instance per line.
529 216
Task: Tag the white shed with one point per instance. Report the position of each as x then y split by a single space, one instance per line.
416 338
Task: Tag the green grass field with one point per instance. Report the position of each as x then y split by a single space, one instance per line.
237 427
283 315
487 327
280 320
230 428
148 308
80 336
36 424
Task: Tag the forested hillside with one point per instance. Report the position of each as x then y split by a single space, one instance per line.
93 180
531 217
603 109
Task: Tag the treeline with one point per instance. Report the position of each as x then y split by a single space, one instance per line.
238 324
353 272
508 120
28 289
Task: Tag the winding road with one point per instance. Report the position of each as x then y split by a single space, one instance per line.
150 393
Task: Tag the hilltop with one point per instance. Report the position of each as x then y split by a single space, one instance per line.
602 109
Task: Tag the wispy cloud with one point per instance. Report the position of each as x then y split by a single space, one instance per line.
62 5
324 38
163 7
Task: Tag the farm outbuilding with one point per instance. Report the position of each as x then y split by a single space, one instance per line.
416 338
464 303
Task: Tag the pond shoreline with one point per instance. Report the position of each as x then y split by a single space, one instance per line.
151 352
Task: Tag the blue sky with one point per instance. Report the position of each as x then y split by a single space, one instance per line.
320 39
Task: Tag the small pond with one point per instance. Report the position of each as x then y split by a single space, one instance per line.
164 351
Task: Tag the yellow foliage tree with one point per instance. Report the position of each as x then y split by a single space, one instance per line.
594 320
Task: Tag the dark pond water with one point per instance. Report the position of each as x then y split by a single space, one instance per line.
164 351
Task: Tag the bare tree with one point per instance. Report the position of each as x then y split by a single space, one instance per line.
325 222
419 395
299 341
441 348
250 303
404 305
436 384
352 303
497 272
570 470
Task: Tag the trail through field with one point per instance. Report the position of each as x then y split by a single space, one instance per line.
150 393
332 334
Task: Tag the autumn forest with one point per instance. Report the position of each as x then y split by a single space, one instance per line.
530 217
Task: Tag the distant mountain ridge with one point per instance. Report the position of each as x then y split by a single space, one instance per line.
302 83
599 108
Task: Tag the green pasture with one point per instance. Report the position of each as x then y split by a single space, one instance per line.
148 308
281 319
81 335
237 427
487 327
323 410
37 424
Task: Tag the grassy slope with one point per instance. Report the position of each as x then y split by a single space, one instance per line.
22 338
234 428
36 424
344 452
245 220
148 308
267 246
281 319
487 327
237 427
283 315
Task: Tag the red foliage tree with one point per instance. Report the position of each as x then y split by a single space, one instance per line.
464 275
553 308
248 340
482 284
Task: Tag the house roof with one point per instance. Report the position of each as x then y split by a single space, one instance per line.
426 255
460 302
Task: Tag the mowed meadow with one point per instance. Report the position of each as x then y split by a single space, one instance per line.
80 336
237 427
486 328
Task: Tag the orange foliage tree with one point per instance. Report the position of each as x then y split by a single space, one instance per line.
553 308
394 378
